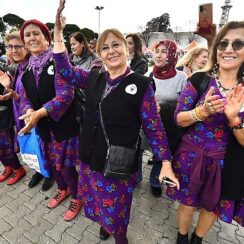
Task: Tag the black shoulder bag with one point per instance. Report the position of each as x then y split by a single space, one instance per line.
119 160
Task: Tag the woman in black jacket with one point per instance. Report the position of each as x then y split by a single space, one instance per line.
138 62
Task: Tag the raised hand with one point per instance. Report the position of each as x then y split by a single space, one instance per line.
5 79
235 101
60 19
213 104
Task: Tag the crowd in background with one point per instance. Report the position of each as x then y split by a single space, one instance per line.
187 110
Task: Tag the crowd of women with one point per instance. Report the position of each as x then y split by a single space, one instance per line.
198 98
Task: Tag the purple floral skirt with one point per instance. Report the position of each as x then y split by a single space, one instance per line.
105 200
226 210
61 154
8 144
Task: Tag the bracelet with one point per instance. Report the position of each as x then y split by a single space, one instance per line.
195 115
237 127
236 123
198 114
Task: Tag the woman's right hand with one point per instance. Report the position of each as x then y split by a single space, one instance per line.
60 19
167 171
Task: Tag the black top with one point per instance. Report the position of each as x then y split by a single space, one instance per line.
121 115
67 126
6 112
139 65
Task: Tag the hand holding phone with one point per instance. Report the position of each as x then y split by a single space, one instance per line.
169 182
205 18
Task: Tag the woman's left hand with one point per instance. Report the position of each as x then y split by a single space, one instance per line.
5 79
167 171
235 101
31 118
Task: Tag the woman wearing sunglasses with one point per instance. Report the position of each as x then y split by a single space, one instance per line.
214 120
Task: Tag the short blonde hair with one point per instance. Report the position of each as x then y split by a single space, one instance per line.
189 57
103 36
11 36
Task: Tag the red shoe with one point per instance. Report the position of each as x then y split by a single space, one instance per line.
73 209
16 176
58 198
6 173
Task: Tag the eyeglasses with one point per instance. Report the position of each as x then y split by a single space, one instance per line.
114 46
236 45
16 47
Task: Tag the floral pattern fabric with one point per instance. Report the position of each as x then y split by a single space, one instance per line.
108 201
210 134
63 153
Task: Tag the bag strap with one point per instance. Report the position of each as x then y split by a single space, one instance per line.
104 130
200 81
102 124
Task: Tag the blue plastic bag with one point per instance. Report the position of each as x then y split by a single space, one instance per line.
31 152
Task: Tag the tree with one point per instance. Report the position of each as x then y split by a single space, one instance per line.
89 34
145 34
160 24
2 26
13 20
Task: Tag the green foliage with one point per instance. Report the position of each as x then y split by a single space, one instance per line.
50 26
89 34
2 26
13 20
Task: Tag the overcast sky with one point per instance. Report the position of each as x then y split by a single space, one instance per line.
126 15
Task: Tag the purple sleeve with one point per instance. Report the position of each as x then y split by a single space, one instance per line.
186 99
24 102
57 107
153 127
67 73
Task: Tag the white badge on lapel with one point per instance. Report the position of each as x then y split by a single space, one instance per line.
131 89
50 70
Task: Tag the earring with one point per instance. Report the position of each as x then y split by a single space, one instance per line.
242 77
215 69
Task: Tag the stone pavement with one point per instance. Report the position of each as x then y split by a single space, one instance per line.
25 219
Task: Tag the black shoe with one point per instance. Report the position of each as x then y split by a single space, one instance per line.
104 235
182 239
195 239
47 184
156 191
36 178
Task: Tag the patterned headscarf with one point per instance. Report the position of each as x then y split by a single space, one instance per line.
168 70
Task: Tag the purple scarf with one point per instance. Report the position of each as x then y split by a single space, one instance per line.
16 106
38 63
112 83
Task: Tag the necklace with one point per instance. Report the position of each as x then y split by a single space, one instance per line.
222 89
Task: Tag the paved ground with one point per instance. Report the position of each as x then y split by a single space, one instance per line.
25 218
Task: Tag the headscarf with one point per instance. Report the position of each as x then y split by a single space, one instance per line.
43 27
168 70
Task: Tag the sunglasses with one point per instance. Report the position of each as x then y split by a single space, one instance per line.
236 45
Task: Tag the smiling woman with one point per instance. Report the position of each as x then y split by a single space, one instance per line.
213 140
48 107
126 102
